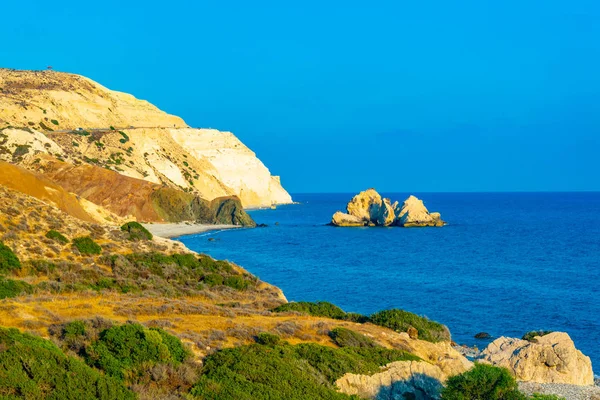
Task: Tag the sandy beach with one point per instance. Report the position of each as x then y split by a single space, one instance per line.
171 230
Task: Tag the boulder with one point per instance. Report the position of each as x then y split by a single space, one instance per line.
383 214
397 380
414 213
365 205
483 335
342 219
551 358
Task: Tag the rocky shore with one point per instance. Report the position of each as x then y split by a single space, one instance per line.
368 208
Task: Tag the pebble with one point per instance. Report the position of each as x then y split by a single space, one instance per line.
569 392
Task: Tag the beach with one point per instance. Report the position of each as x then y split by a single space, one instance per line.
171 230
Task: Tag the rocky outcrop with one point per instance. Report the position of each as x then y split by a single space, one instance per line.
414 213
368 208
342 219
551 358
398 380
365 205
80 121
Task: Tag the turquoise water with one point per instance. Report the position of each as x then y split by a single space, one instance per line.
507 263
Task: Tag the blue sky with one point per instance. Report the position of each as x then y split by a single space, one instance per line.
341 96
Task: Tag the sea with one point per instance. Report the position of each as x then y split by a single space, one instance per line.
506 263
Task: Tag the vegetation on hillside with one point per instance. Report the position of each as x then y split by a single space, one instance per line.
486 382
131 349
55 235
306 371
398 320
136 231
86 245
401 321
8 260
34 368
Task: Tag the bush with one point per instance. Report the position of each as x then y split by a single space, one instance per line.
8 259
57 236
86 245
318 309
13 288
530 336
267 339
400 321
306 371
55 122
483 382
347 338
125 138
35 368
131 347
136 231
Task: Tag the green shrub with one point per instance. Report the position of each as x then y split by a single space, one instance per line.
482 382
112 128
8 260
13 288
236 282
306 371
267 339
213 279
21 150
86 245
34 368
55 122
57 236
400 321
538 396
347 338
136 231
318 309
530 336
125 138
130 347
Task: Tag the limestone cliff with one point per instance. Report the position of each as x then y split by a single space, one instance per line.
80 121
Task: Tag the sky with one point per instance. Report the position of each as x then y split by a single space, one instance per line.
340 96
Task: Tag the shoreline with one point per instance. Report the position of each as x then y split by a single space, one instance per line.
173 230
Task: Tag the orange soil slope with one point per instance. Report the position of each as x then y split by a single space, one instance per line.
118 193
24 181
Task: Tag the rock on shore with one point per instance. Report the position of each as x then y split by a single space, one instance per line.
551 358
368 208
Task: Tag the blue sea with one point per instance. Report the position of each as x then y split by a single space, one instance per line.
506 263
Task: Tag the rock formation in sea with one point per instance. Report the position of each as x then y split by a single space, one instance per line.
368 208
551 358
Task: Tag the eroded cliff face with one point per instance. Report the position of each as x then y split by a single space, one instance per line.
80 121
235 165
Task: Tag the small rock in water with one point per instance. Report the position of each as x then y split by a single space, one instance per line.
262 225
276 223
211 239
483 335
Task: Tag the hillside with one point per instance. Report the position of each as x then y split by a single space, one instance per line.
78 120
76 283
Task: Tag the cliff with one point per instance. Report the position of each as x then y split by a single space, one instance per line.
80 121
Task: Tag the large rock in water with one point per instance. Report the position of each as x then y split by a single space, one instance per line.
342 219
397 380
369 208
551 358
414 213
365 205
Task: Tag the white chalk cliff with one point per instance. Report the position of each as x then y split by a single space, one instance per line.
78 120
